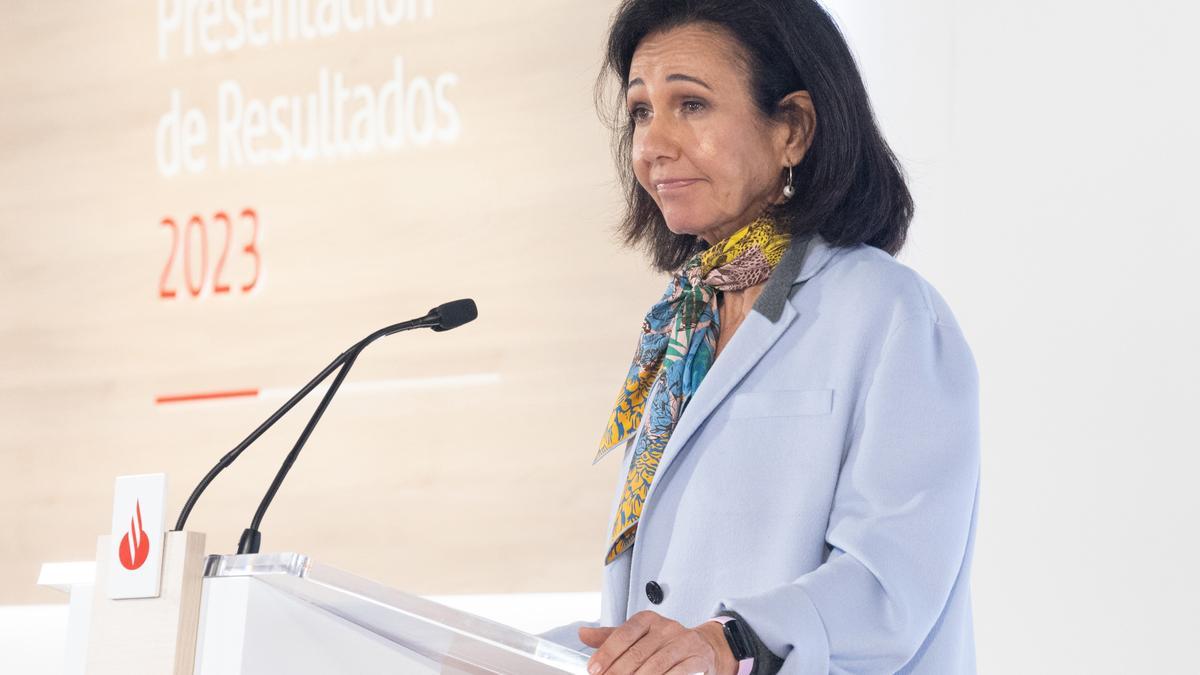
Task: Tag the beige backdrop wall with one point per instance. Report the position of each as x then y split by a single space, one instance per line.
456 462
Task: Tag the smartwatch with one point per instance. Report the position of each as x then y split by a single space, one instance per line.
739 643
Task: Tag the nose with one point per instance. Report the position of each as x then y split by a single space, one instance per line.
656 140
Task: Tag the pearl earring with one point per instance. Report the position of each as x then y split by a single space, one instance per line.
789 190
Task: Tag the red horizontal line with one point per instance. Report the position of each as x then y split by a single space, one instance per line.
204 396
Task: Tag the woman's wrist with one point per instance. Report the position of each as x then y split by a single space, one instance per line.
714 632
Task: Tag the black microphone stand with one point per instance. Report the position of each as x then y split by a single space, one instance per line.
444 317
262 428
251 537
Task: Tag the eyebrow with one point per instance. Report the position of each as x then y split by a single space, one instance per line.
674 77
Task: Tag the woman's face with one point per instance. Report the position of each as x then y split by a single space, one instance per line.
701 148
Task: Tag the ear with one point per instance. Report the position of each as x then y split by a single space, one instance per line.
798 124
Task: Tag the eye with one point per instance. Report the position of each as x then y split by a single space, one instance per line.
639 113
694 106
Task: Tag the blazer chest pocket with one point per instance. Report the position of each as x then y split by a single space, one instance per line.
759 404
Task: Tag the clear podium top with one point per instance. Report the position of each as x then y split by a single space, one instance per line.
459 641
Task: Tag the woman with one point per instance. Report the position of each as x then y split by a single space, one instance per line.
800 422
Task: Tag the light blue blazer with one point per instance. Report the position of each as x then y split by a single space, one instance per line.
823 482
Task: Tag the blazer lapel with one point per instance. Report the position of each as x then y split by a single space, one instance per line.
762 328
752 340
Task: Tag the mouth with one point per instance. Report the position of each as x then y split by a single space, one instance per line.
674 184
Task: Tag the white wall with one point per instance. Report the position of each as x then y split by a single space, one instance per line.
1052 145
33 639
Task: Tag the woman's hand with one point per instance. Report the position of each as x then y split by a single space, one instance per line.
651 644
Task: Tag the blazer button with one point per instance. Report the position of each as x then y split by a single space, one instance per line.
654 592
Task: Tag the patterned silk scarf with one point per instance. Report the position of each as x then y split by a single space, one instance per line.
678 344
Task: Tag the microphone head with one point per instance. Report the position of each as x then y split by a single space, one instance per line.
454 314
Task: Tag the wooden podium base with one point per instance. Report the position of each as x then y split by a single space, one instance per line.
150 636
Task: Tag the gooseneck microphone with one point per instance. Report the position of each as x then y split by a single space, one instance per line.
441 318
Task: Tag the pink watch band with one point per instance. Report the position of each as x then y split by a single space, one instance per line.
745 665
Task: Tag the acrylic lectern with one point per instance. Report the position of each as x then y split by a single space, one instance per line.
284 613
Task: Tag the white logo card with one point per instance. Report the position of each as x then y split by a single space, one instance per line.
138 533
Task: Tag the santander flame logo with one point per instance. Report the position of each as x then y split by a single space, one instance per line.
135 545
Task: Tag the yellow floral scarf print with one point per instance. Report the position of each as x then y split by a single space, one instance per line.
677 345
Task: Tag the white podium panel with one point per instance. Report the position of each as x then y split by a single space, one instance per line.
283 613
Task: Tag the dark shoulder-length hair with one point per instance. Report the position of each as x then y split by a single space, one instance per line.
850 187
